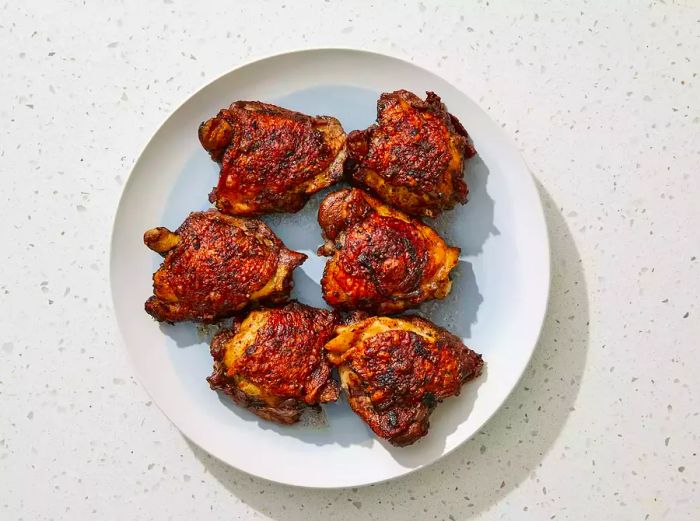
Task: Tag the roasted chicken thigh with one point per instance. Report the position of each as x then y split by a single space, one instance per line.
272 159
396 370
413 157
382 260
216 265
273 362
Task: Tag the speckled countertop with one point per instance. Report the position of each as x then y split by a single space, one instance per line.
604 103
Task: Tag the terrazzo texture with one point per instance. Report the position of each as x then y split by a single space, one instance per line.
602 100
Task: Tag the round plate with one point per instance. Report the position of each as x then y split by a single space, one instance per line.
497 303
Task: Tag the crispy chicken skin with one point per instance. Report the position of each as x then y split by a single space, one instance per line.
216 265
382 260
396 370
273 362
272 159
413 157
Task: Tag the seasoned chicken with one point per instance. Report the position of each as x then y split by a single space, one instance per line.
413 157
273 362
382 260
216 265
396 370
272 159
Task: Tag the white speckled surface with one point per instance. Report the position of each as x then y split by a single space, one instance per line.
605 105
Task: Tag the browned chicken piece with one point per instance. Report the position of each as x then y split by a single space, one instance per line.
413 157
273 362
216 265
382 260
272 159
396 370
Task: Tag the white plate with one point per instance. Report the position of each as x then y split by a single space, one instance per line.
497 304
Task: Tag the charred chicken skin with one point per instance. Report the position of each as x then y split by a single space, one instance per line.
396 370
413 157
272 159
273 362
216 265
382 260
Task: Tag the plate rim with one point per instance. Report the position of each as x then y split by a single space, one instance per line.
532 186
